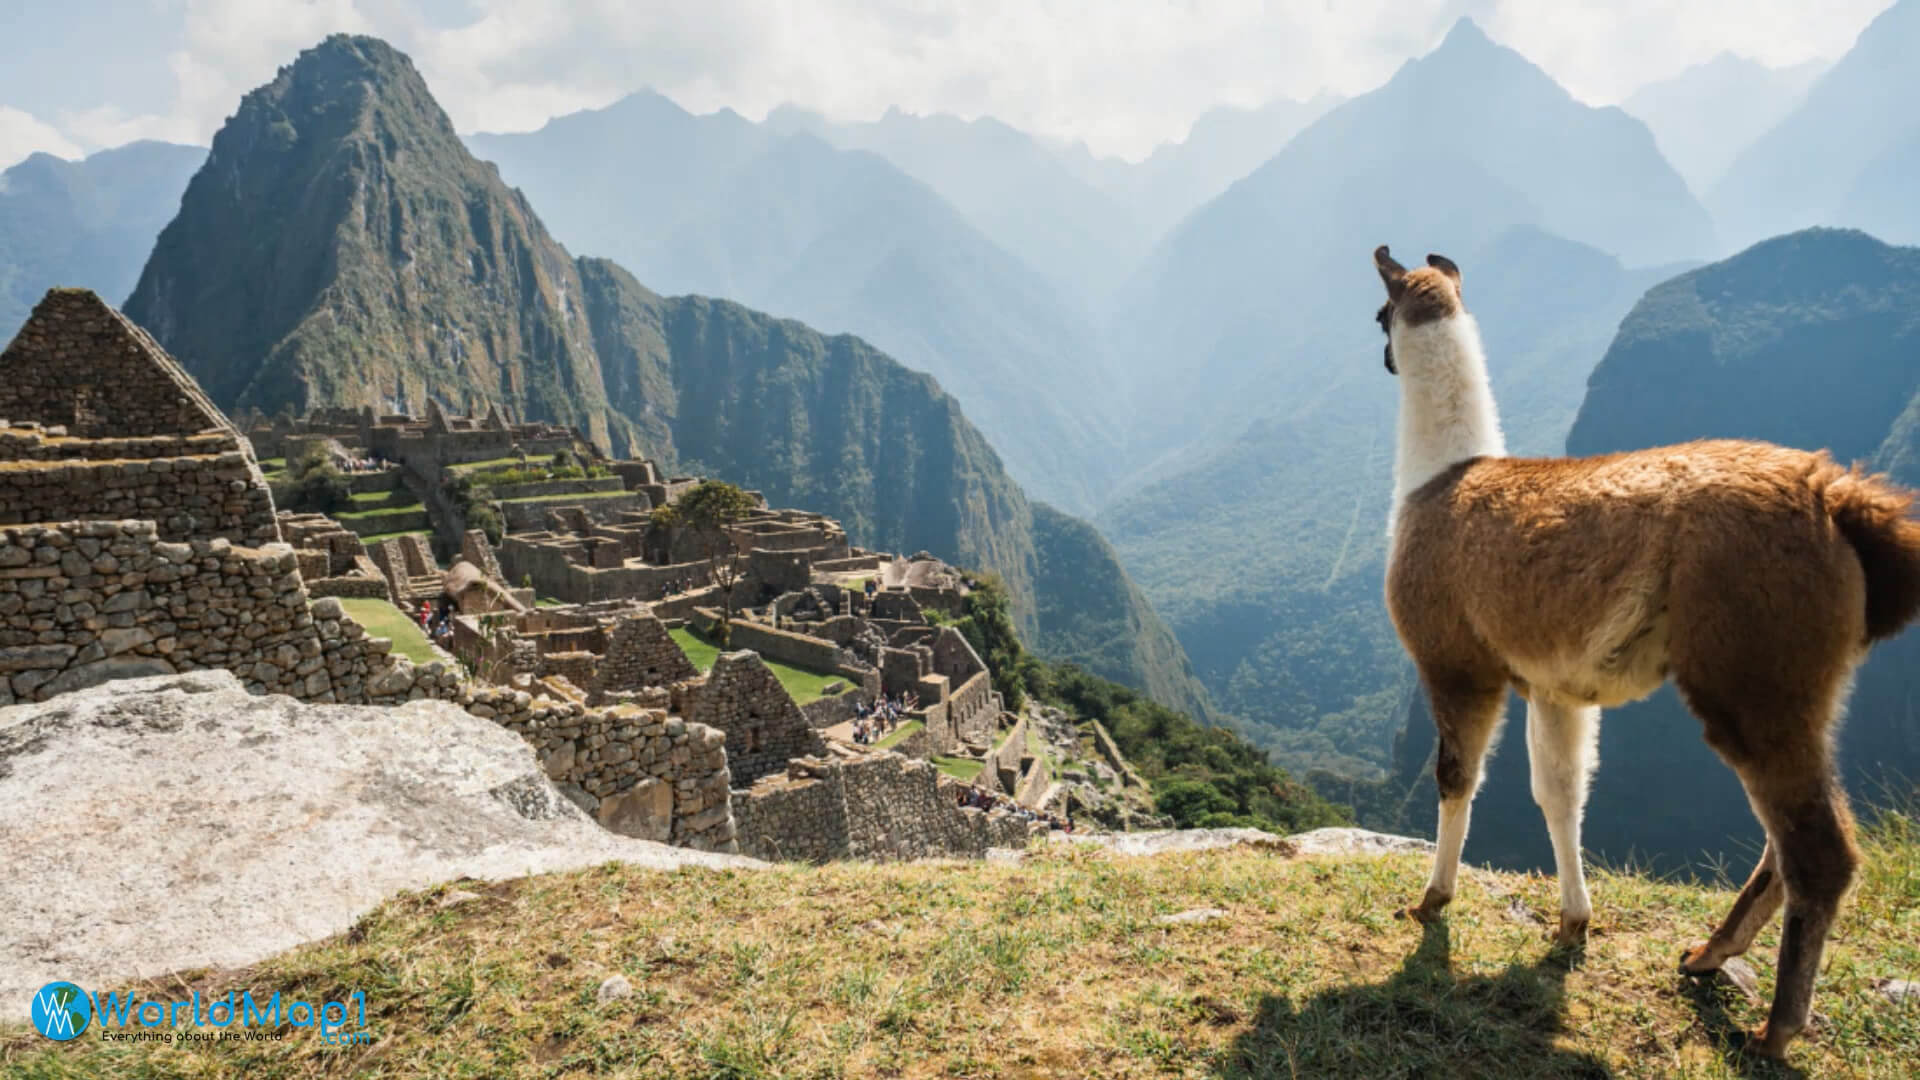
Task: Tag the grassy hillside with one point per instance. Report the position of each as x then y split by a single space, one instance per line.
1061 966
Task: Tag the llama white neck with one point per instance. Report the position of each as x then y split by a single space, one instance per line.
1447 414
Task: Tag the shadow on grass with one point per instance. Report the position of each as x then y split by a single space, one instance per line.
1709 1002
1424 1021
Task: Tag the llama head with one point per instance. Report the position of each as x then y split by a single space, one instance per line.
1415 297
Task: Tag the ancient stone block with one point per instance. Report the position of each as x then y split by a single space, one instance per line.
644 811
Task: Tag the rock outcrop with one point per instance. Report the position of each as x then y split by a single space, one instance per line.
1330 841
176 821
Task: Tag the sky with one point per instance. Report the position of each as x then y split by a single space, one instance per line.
1120 75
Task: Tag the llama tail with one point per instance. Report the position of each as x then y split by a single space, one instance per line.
1873 515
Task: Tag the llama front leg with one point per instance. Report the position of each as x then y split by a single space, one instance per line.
1466 724
1561 751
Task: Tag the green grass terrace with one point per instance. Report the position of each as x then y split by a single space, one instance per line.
961 769
900 734
805 687
381 619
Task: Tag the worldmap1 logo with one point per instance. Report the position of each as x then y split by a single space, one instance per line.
61 1011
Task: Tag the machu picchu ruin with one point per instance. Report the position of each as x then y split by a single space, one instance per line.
766 688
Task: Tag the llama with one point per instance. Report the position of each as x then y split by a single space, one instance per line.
1752 575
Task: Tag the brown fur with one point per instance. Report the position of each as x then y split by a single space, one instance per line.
1753 576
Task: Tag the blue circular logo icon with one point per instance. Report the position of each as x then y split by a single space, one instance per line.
61 1011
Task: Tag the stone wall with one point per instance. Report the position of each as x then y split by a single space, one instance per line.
537 489
577 666
799 650
190 498
1006 759
31 441
793 816
85 602
639 772
825 712
356 585
778 571
973 710
1110 750
475 549
880 807
764 728
851 564
549 561
1032 788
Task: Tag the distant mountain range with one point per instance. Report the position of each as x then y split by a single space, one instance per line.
1842 156
86 223
1224 144
1012 187
1705 116
342 247
1239 309
845 240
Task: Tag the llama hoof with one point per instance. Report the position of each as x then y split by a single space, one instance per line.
1761 1042
1692 962
1572 933
1428 910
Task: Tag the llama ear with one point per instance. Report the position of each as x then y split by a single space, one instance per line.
1392 274
1445 266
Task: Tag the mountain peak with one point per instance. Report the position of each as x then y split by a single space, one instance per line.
1466 34
352 55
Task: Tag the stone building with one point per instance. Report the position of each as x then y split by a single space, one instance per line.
98 422
741 697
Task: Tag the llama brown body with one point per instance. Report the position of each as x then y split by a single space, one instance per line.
1751 575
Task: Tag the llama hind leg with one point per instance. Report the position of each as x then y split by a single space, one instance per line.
1814 829
1561 752
1751 910
1466 724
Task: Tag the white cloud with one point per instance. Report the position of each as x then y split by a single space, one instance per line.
21 134
1121 74
230 47
1604 50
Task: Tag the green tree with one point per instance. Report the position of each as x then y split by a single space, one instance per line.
316 485
988 627
474 502
707 513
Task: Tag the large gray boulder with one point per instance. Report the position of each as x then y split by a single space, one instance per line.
170 822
